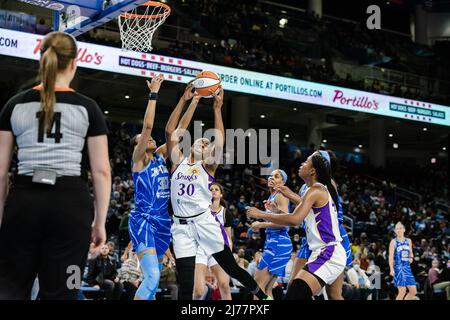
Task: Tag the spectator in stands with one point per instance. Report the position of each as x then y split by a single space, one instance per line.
42 28
254 243
242 262
372 267
124 236
440 279
296 242
113 254
358 279
130 276
253 265
447 252
102 274
376 87
168 279
364 263
242 204
360 250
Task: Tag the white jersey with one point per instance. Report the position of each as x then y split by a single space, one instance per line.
189 190
220 216
322 225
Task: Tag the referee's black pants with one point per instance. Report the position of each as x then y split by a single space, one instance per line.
45 233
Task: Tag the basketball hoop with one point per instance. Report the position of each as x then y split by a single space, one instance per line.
138 26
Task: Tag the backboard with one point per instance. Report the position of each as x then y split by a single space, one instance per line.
79 16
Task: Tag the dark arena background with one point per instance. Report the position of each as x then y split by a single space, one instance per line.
368 80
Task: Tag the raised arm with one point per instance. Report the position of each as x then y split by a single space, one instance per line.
212 163
172 140
183 124
149 118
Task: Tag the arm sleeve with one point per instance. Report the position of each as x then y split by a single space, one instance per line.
5 116
97 123
228 218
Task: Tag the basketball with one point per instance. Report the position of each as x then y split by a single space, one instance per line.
206 81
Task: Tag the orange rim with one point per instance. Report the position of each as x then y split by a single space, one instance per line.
149 16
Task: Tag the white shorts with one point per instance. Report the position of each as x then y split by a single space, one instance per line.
203 232
327 262
203 258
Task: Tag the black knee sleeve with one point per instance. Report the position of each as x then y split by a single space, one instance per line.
185 273
298 290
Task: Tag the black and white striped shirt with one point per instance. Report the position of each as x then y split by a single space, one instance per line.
76 117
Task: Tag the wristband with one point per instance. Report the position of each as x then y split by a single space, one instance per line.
153 96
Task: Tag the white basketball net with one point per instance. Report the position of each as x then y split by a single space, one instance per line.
138 26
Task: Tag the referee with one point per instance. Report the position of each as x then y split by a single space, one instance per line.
48 218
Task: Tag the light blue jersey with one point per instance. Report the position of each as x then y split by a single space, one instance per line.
149 220
402 270
277 249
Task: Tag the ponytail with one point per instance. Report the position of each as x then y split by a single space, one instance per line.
57 52
48 72
223 203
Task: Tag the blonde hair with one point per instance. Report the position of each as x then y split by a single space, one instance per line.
57 51
400 224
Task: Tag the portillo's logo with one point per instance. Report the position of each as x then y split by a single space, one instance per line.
83 55
355 101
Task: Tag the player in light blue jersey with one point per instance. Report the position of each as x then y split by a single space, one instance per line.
149 221
278 245
400 257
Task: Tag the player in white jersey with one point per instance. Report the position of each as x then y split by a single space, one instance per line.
319 211
203 261
194 226
334 291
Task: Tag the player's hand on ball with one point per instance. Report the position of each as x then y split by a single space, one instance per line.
218 98
189 92
196 98
155 84
253 213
